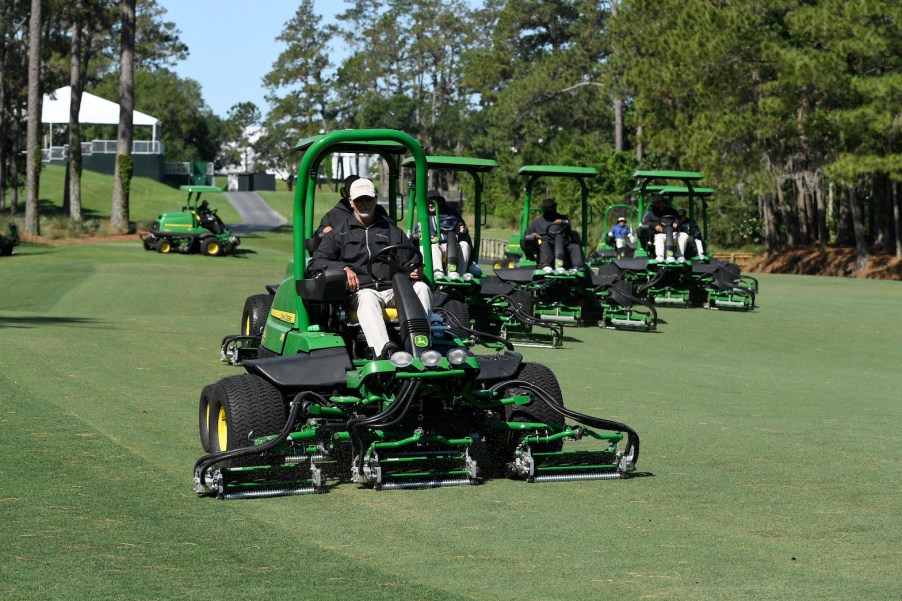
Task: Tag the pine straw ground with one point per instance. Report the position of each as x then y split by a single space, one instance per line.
831 261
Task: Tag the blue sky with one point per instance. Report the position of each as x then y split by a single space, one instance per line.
233 44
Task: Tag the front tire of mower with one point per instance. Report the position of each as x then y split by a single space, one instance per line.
211 247
242 408
459 312
256 310
524 303
164 246
537 411
203 418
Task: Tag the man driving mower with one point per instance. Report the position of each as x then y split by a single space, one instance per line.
559 245
355 246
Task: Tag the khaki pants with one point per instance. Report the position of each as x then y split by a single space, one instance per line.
369 303
438 249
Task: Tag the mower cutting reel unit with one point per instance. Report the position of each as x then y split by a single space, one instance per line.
195 229
570 297
312 410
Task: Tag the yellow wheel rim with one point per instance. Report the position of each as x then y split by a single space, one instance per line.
165 247
222 429
213 248
247 326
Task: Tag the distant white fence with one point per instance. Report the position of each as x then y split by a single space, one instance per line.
59 153
492 249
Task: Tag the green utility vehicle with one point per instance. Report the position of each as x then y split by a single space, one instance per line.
695 278
571 297
311 411
196 228
10 240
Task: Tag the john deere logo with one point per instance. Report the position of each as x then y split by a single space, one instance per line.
421 340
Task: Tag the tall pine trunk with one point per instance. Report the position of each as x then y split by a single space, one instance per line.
853 197
3 63
76 82
122 172
31 226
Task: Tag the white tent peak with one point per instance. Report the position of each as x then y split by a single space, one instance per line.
94 110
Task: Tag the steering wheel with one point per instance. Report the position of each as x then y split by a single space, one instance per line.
556 229
393 265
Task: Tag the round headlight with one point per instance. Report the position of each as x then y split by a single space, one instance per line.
431 358
457 356
468 277
401 359
453 275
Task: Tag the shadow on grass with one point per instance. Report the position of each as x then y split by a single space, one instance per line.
34 321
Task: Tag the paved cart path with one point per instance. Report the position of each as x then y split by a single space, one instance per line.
258 216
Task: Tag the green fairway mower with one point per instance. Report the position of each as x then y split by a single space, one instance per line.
457 282
10 240
696 279
470 303
562 294
312 411
195 229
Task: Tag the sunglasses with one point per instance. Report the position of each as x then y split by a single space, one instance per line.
364 199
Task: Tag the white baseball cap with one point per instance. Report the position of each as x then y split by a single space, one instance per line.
362 187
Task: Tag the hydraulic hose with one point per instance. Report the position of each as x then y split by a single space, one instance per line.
512 307
394 414
456 323
632 443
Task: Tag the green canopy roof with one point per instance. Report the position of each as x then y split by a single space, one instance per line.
684 175
558 170
193 189
456 163
680 190
374 147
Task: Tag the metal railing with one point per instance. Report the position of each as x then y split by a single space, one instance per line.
59 153
492 249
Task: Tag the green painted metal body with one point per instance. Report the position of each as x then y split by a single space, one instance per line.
532 174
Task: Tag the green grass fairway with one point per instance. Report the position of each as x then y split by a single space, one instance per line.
772 441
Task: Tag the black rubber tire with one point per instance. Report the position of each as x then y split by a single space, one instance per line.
243 407
164 246
256 310
203 416
211 247
524 301
537 411
148 242
460 311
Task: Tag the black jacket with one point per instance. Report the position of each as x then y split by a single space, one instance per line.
351 244
654 217
540 226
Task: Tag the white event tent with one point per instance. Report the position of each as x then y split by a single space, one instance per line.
94 111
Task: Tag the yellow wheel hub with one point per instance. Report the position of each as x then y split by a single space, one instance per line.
222 429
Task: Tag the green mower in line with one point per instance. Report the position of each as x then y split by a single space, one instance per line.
10 240
563 294
694 278
196 228
312 411
472 303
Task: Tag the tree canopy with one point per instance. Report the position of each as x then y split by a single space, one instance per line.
791 108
